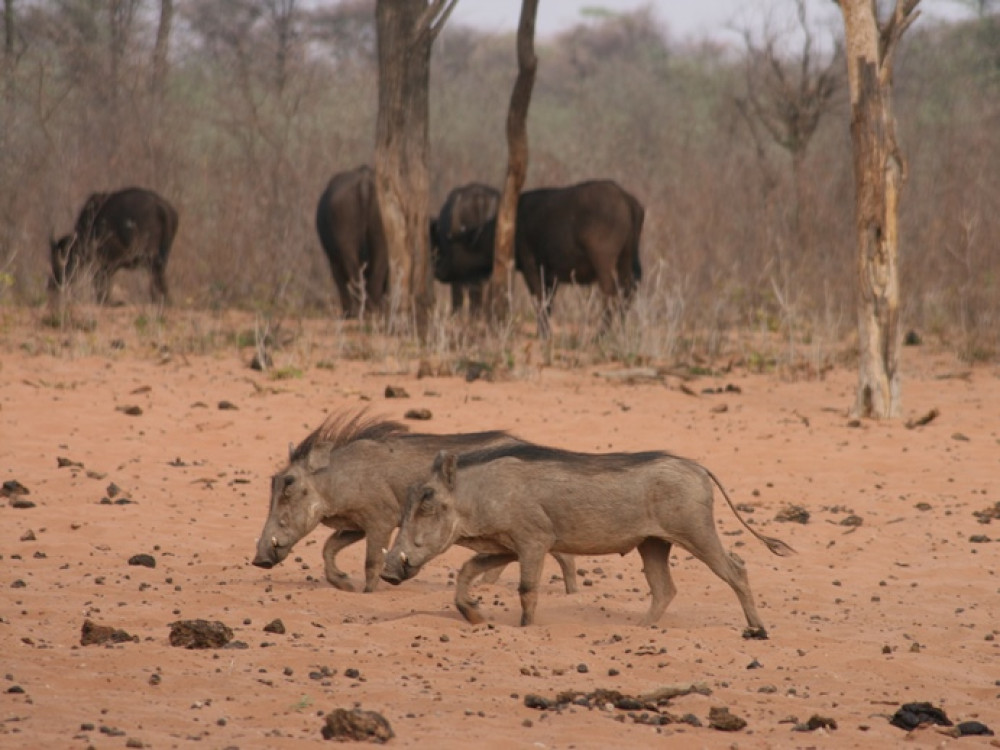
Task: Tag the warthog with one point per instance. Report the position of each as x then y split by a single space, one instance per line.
520 501
352 474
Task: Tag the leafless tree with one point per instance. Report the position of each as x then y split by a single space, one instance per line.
788 94
121 15
517 161
406 33
879 171
161 47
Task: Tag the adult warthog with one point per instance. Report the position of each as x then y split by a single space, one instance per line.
350 230
521 501
126 229
352 474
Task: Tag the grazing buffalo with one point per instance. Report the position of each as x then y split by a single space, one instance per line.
352 474
522 501
126 229
350 229
581 234
462 242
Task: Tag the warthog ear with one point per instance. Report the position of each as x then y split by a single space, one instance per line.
446 465
318 459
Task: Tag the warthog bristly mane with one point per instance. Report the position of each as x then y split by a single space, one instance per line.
343 428
582 462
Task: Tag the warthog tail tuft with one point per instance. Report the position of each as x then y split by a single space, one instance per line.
776 546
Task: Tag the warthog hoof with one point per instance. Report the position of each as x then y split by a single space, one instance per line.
470 611
755 634
340 581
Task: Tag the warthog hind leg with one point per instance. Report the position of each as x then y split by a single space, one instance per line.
656 565
333 545
731 570
476 566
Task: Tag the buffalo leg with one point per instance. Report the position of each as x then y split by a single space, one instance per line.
158 283
333 545
457 298
476 298
656 565
474 567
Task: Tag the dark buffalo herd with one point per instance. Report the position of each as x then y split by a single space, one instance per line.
130 228
349 225
581 234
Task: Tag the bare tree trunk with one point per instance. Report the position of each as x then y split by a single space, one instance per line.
501 282
879 171
406 33
8 33
159 77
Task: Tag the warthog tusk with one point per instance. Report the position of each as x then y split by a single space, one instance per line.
385 551
402 557
274 541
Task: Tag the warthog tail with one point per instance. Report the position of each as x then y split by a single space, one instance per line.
774 544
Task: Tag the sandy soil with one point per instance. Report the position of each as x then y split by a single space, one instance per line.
892 598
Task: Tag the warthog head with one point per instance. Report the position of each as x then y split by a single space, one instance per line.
429 524
296 509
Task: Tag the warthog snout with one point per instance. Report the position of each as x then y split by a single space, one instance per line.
397 569
270 554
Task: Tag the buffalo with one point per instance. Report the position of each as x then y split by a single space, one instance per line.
580 234
462 242
124 229
350 229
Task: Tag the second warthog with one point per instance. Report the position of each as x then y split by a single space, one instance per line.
521 501
352 474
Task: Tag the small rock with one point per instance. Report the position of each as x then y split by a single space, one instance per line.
964 729
132 410
275 626
195 634
92 634
720 718
62 463
960 436
12 488
28 536
228 406
755 665
794 514
852 520
21 503
418 414
113 490
15 690
147 561
912 715
396 391
356 725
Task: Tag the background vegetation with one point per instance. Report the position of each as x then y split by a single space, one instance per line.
265 99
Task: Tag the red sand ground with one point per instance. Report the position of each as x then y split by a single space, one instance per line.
903 607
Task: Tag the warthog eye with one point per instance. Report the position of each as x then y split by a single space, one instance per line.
288 481
427 504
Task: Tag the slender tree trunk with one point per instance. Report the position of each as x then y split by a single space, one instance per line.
159 77
502 280
406 32
878 177
8 50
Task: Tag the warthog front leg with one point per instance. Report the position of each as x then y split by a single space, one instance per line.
567 564
531 578
378 540
656 565
476 566
333 545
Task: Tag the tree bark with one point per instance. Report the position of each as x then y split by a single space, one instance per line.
159 76
406 32
879 171
502 278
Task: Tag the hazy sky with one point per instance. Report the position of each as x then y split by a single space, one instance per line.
684 19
